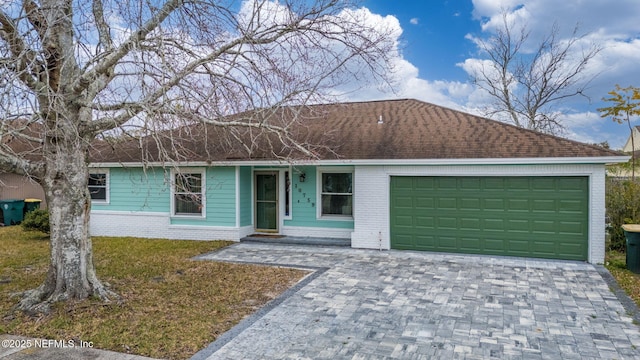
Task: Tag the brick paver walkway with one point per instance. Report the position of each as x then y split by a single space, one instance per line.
365 304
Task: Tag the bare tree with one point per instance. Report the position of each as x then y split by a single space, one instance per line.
527 84
73 71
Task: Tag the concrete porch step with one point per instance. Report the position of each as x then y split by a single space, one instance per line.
297 240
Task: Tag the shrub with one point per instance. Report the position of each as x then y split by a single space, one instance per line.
36 220
623 207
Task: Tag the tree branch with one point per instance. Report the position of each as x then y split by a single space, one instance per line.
104 34
106 64
23 58
253 38
526 86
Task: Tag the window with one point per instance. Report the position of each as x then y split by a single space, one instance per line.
98 186
188 193
337 194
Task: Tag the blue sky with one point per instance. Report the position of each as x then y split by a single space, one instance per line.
434 43
434 34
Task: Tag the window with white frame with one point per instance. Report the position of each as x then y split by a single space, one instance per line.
336 194
188 193
98 184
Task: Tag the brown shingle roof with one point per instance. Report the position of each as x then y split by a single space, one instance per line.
410 129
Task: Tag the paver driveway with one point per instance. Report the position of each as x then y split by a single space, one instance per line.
365 304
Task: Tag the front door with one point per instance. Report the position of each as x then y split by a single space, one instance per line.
266 201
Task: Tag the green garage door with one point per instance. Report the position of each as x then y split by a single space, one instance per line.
545 217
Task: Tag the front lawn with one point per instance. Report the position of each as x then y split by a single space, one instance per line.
615 262
172 308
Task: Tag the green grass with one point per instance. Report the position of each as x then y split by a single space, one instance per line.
615 262
172 306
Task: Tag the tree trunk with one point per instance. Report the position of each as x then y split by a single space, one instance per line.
71 274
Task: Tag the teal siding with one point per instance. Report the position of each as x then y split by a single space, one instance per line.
133 189
220 194
304 202
245 196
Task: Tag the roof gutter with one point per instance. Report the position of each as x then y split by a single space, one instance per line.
402 162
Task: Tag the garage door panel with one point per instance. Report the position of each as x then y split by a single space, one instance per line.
425 222
445 183
447 223
445 243
571 228
518 246
518 204
494 245
517 184
405 202
424 242
405 241
494 225
472 204
404 221
568 251
543 227
470 184
518 216
447 203
405 183
470 224
469 243
571 184
425 183
543 205
516 226
423 202
494 183
575 206
544 184
493 204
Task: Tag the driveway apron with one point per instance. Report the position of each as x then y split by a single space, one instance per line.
367 304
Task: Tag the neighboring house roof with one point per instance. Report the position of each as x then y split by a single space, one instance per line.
409 129
17 137
635 132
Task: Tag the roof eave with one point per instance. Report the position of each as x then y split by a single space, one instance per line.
369 162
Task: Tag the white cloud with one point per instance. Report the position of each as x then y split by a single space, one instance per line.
409 85
582 119
414 21
590 127
612 26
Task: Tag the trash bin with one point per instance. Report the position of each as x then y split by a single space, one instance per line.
12 211
632 234
31 204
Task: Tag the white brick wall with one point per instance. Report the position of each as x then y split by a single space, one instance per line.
371 208
316 232
371 201
597 216
157 225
